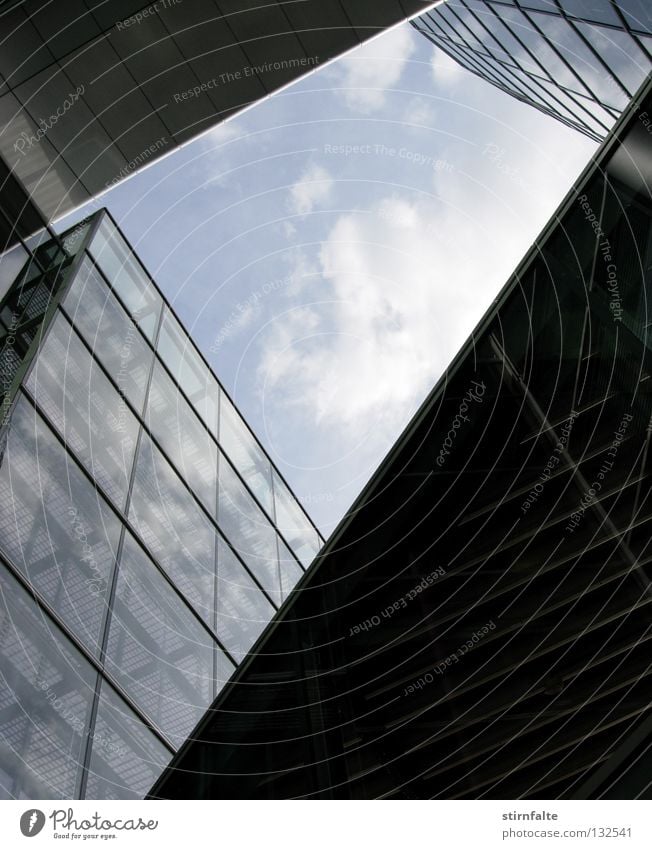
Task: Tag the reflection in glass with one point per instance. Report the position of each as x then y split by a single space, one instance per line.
157 650
85 408
127 276
242 609
112 336
55 528
293 523
174 528
188 369
46 691
126 757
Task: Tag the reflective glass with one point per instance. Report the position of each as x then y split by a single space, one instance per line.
157 650
248 530
291 572
46 691
109 331
625 60
592 10
127 276
293 523
54 526
188 369
85 408
188 444
174 528
242 609
246 454
126 756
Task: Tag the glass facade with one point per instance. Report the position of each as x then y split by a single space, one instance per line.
479 627
140 556
578 60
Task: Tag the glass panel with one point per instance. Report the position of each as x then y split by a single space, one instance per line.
157 650
127 276
126 757
625 60
290 569
293 524
245 453
174 528
242 609
107 328
11 264
188 444
248 530
46 690
638 14
85 408
188 369
54 526
592 10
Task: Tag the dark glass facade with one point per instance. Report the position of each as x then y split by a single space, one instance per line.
91 91
146 538
577 60
479 624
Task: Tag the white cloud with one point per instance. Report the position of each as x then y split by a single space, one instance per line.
446 71
313 187
368 71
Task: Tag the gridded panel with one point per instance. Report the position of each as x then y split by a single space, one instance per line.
248 530
293 523
55 527
188 444
174 528
246 455
126 756
157 649
46 691
85 408
179 354
242 609
112 336
127 276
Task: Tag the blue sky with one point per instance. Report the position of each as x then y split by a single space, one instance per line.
332 248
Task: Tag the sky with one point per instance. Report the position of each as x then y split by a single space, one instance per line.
331 249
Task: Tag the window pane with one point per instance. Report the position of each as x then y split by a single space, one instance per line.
245 453
54 526
179 355
248 530
46 690
290 570
126 757
293 524
187 443
174 528
127 276
157 650
242 609
85 408
109 331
